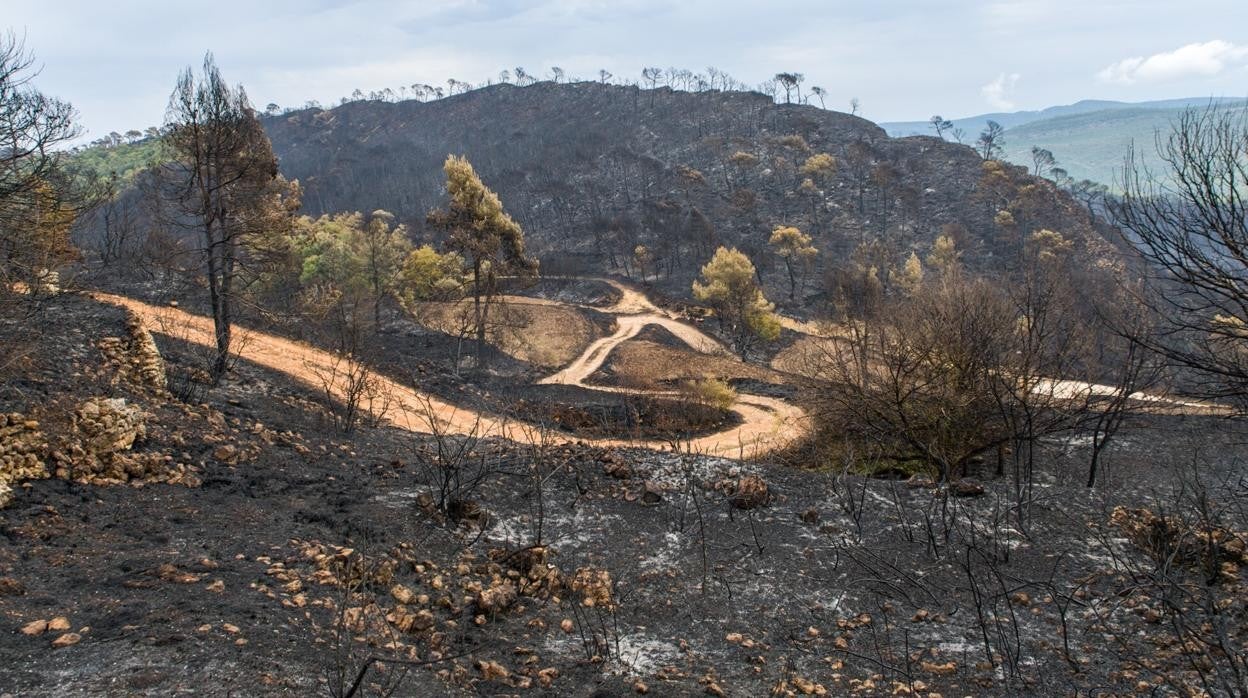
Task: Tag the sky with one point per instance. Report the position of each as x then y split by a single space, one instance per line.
902 59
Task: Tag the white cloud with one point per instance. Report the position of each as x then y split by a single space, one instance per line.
1191 61
998 93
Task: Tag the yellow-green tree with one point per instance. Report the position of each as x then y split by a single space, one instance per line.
794 248
945 257
820 166
491 243
911 277
729 284
430 275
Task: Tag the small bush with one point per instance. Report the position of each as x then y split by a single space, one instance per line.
712 392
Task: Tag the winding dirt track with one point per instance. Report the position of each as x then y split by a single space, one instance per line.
767 424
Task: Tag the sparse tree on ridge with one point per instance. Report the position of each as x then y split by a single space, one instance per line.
1042 161
940 124
820 93
790 82
991 141
652 76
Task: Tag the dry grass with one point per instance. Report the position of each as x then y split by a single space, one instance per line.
647 365
804 356
545 335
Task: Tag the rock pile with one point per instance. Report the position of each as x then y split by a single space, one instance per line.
22 450
99 449
135 360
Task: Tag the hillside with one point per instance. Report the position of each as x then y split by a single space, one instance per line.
593 170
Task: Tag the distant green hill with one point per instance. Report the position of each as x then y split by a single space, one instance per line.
1093 145
1088 138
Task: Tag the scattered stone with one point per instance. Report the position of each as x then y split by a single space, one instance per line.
58 624
807 687
170 573
35 627
226 453
810 516
217 586
11 587
546 677
66 640
652 493
492 670
230 628
497 598
615 466
939 669
402 594
566 625
640 687
750 492
968 487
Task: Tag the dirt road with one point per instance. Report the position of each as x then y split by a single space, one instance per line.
767 424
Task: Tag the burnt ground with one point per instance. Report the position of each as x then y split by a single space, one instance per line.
836 583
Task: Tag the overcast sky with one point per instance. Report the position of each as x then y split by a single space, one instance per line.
904 59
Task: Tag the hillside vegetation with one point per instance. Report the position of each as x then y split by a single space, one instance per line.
601 169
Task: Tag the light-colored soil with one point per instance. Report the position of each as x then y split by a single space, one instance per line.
647 365
542 332
766 423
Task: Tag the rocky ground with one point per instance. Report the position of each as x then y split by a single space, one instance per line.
242 546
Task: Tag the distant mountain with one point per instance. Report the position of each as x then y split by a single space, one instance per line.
1094 145
1088 138
972 125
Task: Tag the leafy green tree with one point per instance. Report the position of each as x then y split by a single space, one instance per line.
386 246
491 243
729 284
793 246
